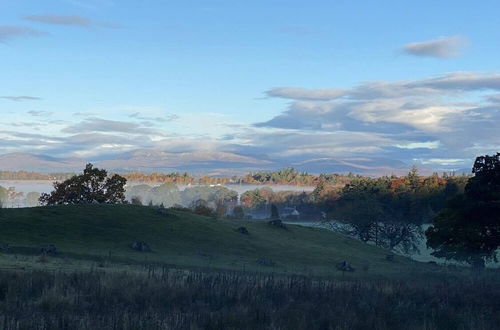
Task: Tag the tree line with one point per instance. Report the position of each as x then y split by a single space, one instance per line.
286 176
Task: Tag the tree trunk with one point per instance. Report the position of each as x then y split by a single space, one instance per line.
478 264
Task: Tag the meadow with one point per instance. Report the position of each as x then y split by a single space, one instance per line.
187 299
202 273
183 239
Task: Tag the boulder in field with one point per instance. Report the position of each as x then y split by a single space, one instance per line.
48 249
263 261
242 230
141 246
344 266
276 223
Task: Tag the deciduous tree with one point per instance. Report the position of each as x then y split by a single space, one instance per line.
93 186
468 229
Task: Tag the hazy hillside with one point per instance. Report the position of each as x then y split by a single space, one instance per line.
43 163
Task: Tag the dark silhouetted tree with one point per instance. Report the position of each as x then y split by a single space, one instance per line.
93 186
468 229
238 212
274 212
204 210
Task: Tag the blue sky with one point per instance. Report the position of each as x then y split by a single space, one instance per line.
414 81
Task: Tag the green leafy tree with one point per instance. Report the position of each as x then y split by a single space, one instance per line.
211 195
166 194
238 213
140 191
114 189
93 186
468 229
32 199
377 214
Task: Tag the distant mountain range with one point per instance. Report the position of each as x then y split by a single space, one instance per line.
210 163
39 163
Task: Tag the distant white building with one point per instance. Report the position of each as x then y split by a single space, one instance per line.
290 213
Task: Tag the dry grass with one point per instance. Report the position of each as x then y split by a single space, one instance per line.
162 298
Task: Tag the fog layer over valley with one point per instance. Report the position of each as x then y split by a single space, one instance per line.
21 188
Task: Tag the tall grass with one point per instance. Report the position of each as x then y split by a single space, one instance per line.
182 299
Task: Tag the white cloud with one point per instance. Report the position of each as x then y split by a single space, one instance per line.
443 161
444 47
437 118
419 145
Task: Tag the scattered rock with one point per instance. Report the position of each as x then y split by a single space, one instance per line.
242 230
277 223
141 246
266 262
161 211
4 247
344 266
48 249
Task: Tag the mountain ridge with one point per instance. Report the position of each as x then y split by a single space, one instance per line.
206 162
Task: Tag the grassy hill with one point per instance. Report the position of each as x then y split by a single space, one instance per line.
187 240
98 282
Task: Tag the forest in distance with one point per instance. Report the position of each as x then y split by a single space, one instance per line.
285 176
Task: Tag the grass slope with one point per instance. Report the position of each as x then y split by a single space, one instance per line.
187 240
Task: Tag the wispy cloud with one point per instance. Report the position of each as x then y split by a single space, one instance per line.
40 113
8 32
61 20
67 20
103 125
444 47
305 94
20 98
161 119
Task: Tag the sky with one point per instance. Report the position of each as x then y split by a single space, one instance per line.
291 80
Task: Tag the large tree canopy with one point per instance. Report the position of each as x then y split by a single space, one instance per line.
93 186
468 229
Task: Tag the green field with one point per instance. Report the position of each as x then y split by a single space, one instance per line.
203 274
180 239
